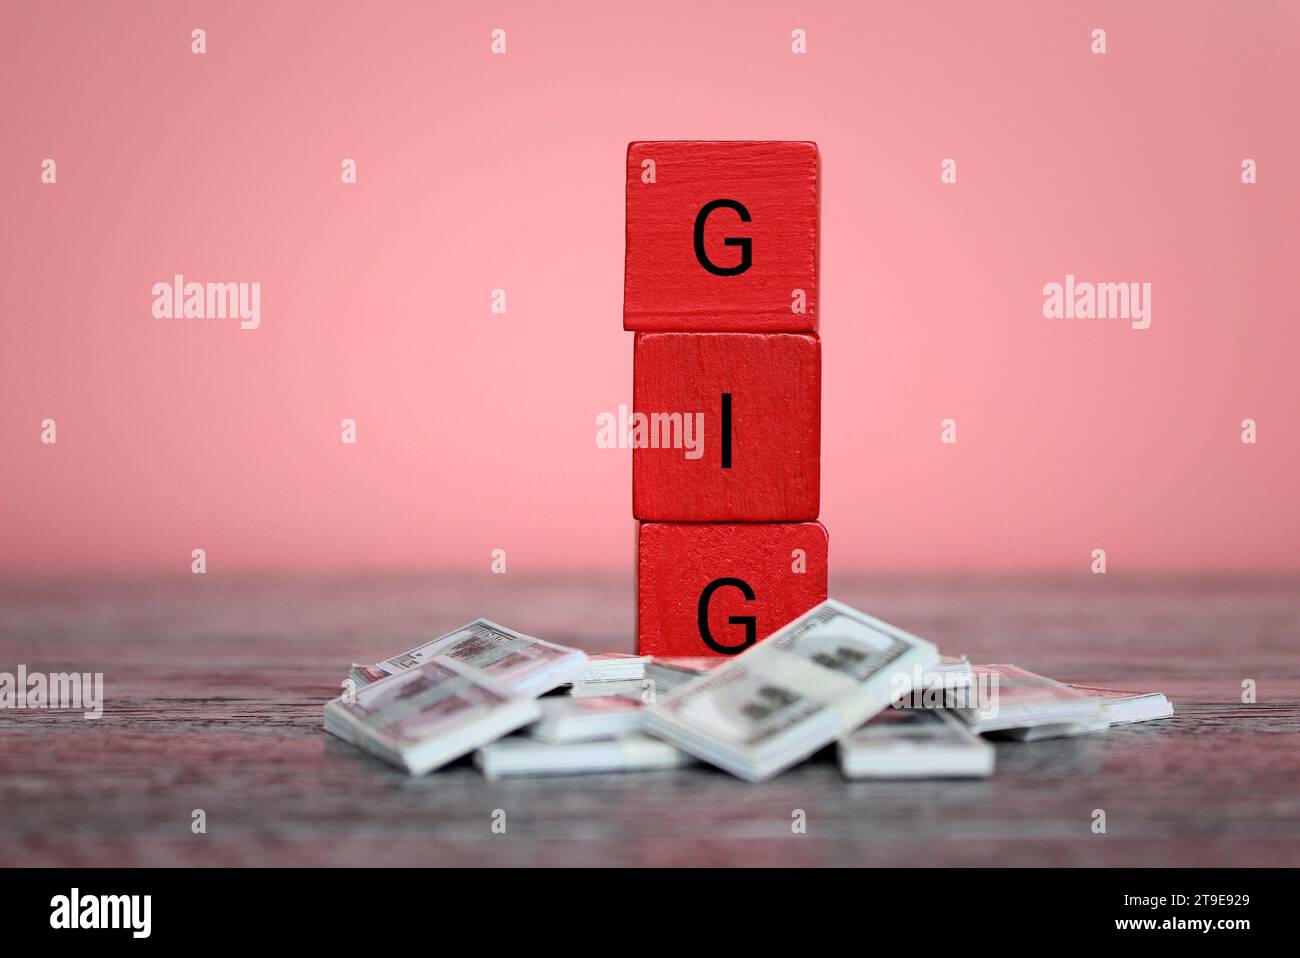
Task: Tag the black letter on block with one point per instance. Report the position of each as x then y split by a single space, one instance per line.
726 430
748 621
744 242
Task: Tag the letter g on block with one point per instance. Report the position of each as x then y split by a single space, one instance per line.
744 242
748 621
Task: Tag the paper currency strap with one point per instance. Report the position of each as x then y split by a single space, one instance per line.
811 621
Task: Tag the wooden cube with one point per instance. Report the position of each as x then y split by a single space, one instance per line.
721 236
716 588
757 397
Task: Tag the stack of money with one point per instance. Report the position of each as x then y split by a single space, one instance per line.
829 675
611 673
527 665
566 720
1125 708
953 666
449 696
670 672
915 743
1018 704
802 688
928 688
579 735
429 714
520 755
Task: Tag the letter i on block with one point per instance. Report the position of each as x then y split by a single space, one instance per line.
750 404
721 237
717 588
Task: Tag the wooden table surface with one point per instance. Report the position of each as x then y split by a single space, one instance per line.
214 690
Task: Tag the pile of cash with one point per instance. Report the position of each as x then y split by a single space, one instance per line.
892 706
467 690
422 718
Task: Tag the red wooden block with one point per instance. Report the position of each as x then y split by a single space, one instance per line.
715 588
721 236
758 398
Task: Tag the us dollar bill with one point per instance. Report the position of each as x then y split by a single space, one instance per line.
613 667
1016 703
518 755
427 715
1123 707
567 719
915 743
671 672
527 664
929 687
773 705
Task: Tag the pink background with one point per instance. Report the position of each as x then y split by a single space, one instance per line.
477 171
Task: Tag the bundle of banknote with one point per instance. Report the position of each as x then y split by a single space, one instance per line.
805 686
915 743
1018 704
611 673
520 755
928 688
528 665
952 666
425 716
1125 708
578 734
567 719
669 672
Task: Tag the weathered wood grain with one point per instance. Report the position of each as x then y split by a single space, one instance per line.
214 693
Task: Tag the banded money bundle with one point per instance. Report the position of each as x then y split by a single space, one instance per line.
778 702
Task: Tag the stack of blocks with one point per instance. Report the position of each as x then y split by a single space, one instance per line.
720 288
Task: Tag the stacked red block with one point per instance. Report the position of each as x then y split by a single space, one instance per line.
720 287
